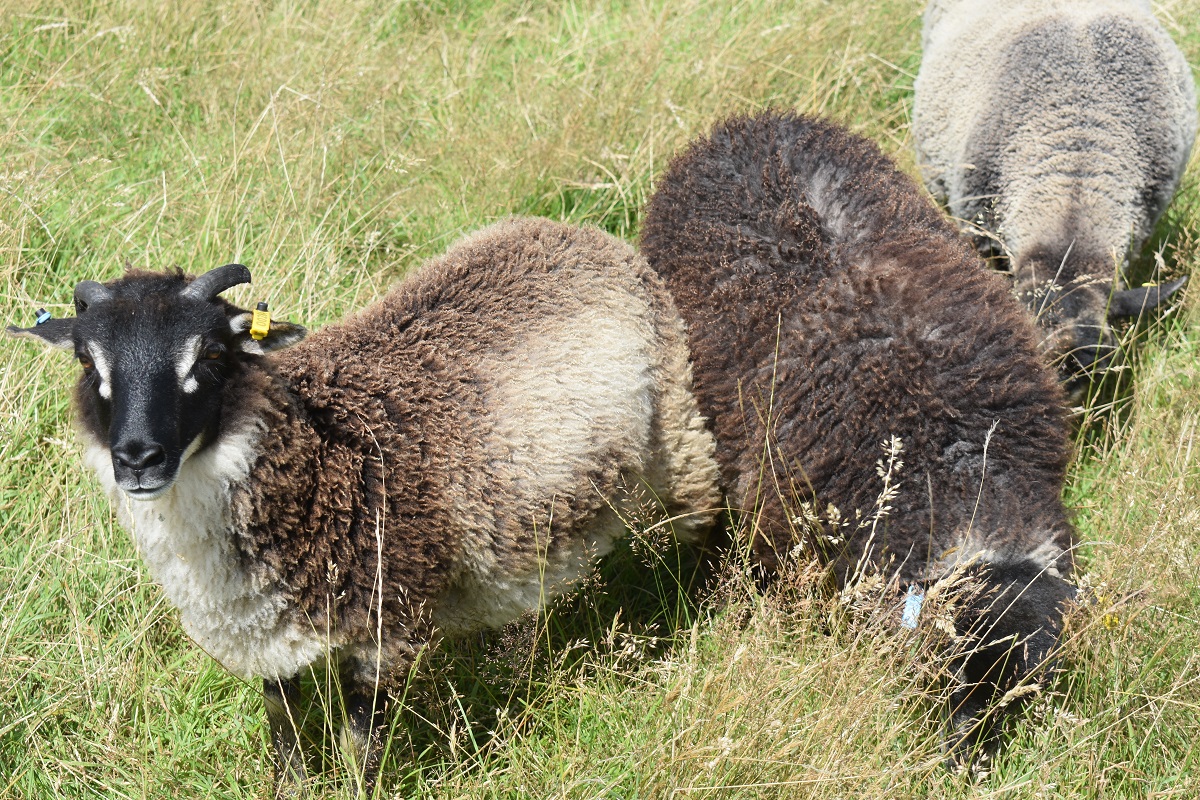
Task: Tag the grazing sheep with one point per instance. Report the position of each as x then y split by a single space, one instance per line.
443 460
1060 128
830 308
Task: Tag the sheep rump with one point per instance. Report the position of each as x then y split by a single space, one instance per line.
831 307
1009 90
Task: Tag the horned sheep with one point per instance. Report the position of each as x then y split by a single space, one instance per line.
1058 131
441 461
831 308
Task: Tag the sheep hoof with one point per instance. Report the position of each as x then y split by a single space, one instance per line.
281 699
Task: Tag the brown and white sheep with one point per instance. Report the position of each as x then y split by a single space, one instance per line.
443 460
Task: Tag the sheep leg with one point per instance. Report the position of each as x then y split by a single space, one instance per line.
366 705
282 701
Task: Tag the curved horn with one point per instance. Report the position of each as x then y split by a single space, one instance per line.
215 281
1132 302
88 293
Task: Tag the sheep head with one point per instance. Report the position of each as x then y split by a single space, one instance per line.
157 350
1075 309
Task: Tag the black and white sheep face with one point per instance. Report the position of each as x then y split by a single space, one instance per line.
156 353
151 387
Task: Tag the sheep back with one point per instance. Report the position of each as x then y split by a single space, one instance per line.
1053 124
830 307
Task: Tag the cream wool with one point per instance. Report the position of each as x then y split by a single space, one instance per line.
184 537
542 431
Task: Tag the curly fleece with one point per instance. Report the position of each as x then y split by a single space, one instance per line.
1054 124
1058 132
831 307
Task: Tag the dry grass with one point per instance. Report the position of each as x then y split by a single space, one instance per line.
333 146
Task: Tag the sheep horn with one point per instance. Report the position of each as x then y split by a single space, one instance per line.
88 293
1132 302
215 281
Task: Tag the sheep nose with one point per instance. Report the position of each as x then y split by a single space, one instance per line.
138 455
1102 356
1094 360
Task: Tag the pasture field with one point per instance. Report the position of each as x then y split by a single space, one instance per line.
334 145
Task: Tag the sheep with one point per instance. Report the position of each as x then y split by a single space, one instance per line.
442 461
831 309
1057 131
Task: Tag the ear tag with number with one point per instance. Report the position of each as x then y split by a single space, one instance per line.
260 322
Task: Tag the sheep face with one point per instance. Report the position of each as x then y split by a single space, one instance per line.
156 352
1072 316
1076 312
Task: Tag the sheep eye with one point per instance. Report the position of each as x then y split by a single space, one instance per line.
85 361
213 352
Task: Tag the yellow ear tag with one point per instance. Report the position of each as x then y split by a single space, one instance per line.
260 322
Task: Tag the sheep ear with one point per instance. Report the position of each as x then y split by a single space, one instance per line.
281 334
54 332
1132 302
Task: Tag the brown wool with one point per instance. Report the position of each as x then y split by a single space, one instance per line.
831 308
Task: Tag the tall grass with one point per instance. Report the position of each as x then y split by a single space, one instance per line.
332 146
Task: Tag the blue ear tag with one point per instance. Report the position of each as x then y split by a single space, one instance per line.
42 316
912 607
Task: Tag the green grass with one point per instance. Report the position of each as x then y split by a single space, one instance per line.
332 146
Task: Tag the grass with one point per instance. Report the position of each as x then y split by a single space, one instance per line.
332 146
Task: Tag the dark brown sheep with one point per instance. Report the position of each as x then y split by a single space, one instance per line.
831 308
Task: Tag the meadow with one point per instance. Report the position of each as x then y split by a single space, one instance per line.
332 146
